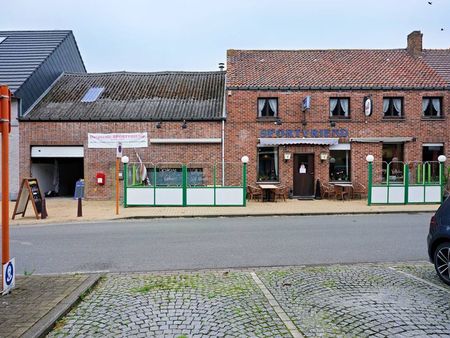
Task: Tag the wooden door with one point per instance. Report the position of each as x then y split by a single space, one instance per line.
304 175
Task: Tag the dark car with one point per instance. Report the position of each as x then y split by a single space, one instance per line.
439 241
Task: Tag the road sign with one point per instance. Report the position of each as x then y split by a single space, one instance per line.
9 276
79 189
119 150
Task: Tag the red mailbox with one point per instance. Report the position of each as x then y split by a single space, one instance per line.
100 178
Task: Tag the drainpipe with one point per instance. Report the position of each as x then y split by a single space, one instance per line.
223 153
224 116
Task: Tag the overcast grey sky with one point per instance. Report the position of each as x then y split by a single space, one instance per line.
148 35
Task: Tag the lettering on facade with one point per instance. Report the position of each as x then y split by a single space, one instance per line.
298 133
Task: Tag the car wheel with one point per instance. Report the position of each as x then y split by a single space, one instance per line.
442 262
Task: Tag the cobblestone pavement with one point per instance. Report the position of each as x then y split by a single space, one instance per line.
339 300
361 300
194 305
33 297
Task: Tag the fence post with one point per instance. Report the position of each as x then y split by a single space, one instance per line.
369 159
406 173
214 182
125 183
184 178
244 161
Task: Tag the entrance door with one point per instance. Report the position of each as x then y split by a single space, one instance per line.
304 175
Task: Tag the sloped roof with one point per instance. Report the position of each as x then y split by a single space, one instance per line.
439 60
134 97
23 52
322 69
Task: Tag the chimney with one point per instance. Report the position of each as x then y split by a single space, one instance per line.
221 66
415 44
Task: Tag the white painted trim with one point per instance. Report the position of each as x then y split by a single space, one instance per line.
341 146
186 140
68 151
432 144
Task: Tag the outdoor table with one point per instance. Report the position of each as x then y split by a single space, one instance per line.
344 188
268 191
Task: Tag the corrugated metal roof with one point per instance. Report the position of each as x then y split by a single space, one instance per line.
162 96
23 52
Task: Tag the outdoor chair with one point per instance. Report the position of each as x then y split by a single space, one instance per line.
254 192
327 191
359 190
281 193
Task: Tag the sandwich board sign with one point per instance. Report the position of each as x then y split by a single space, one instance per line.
30 191
9 276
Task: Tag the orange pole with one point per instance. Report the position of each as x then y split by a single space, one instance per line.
4 119
117 185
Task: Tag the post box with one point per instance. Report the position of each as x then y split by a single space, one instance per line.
100 178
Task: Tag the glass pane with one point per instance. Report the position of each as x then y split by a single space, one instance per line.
340 165
267 164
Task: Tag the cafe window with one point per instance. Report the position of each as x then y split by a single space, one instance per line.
267 107
430 154
339 107
392 107
392 154
432 107
340 165
267 164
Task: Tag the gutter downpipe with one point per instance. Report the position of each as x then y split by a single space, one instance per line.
224 115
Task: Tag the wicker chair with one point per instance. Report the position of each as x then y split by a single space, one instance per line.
254 193
359 190
327 191
281 193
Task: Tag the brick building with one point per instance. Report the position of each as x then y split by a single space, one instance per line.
180 114
393 104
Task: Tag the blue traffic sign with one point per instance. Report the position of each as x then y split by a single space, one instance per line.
9 274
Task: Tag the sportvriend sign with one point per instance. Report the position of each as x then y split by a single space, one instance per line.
291 133
128 140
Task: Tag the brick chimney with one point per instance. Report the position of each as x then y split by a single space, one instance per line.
415 44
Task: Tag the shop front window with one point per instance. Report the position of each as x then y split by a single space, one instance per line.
340 165
267 164
393 154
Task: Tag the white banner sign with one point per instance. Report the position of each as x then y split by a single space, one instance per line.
128 140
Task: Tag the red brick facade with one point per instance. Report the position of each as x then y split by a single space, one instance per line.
243 127
95 160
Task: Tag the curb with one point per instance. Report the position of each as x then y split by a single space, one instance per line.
44 325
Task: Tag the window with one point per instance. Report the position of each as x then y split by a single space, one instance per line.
340 165
339 107
267 164
430 154
393 154
92 94
2 38
431 107
393 107
267 107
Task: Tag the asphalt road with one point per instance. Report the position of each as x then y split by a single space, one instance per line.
171 244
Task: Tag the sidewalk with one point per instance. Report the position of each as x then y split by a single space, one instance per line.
62 210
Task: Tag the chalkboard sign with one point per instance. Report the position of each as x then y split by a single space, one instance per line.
169 176
195 176
79 189
29 191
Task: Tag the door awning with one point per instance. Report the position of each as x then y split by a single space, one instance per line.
381 139
288 141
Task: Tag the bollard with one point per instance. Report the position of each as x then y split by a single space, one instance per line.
80 208
44 210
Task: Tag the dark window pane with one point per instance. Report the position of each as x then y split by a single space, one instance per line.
267 164
340 165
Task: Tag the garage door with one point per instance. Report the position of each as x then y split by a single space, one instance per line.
52 152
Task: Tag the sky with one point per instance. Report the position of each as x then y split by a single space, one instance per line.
148 35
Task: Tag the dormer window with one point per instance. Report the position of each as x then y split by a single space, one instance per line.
431 107
267 107
393 107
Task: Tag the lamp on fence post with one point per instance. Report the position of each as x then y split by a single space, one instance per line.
125 161
369 159
244 160
441 160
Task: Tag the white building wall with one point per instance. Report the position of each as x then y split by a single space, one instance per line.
13 152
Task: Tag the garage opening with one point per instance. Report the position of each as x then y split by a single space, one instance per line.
57 169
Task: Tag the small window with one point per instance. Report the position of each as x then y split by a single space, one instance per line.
392 153
340 165
432 107
92 94
392 107
339 107
267 164
267 107
2 38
